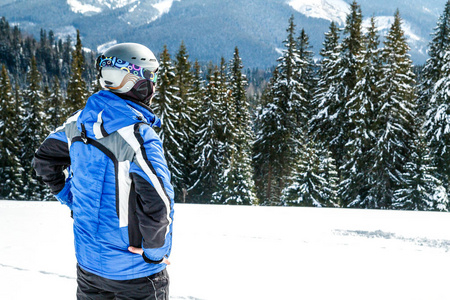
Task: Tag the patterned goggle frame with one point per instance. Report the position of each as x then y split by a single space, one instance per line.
103 61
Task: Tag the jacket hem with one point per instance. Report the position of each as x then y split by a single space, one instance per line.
125 276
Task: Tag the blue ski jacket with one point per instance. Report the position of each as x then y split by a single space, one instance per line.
107 164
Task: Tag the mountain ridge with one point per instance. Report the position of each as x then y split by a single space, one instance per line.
212 28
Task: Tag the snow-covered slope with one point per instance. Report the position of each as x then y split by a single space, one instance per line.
163 6
231 252
384 23
149 10
96 6
84 6
146 12
331 10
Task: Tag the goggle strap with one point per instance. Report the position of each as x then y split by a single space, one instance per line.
103 61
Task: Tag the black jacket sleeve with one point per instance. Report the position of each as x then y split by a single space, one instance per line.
50 161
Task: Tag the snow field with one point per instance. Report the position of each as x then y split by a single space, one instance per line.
231 252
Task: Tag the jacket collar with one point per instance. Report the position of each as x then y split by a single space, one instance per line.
105 113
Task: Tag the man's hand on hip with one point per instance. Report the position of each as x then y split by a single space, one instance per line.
140 251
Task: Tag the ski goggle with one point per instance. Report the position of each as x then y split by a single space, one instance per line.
103 61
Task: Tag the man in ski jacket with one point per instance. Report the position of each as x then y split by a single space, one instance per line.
107 164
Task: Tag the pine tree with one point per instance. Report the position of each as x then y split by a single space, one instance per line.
433 70
164 104
338 78
362 109
289 97
66 50
238 186
227 128
327 124
395 124
54 106
421 191
198 96
307 74
197 92
10 167
226 131
437 125
267 169
33 132
329 172
311 185
352 45
282 112
77 93
434 98
207 148
184 109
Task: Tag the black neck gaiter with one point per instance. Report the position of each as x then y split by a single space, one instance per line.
141 92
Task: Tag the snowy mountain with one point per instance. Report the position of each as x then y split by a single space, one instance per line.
332 10
137 12
96 6
416 42
245 252
212 28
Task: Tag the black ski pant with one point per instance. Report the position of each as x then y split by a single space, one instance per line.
94 287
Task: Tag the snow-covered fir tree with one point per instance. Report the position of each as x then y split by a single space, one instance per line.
197 92
77 93
396 130
226 132
242 120
338 77
421 190
164 104
45 96
327 125
362 109
198 96
352 46
10 166
283 114
307 74
54 105
33 132
329 172
290 99
310 181
437 125
435 100
184 108
266 164
307 79
433 70
207 148
238 187
227 106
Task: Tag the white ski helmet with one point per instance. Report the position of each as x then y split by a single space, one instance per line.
123 65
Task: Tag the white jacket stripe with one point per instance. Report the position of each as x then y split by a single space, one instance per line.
127 134
97 126
124 181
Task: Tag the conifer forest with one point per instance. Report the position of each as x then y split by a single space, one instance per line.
360 127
